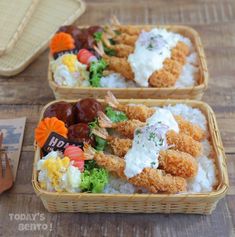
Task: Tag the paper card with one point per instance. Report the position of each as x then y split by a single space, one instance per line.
57 142
13 133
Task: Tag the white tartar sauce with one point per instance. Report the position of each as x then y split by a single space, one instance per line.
149 141
151 49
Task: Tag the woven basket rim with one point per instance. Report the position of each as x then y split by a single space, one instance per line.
222 187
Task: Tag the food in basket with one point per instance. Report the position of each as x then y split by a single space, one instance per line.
133 148
119 56
47 126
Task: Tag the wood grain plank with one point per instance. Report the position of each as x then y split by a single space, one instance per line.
82 224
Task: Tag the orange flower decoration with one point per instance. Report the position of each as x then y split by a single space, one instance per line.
48 125
61 42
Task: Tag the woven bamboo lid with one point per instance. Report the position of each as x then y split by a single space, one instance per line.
45 21
13 19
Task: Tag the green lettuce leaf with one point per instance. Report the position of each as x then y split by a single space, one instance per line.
114 115
94 180
98 36
100 143
96 71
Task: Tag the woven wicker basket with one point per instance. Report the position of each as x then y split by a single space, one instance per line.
195 92
201 203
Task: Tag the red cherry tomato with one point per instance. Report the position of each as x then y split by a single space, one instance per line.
85 56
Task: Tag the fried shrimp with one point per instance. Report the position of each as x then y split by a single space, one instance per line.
121 38
153 180
178 163
190 129
178 55
184 143
181 46
179 141
142 113
120 146
126 128
116 64
121 50
162 78
139 112
173 67
124 38
172 161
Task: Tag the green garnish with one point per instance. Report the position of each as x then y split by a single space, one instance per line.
117 32
98 36
100 143
152 136
115 116
93 125
96 71
90 165
94 180
108 51
112 41
138 131
152 164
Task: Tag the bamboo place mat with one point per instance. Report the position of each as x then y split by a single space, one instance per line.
13 19
47 18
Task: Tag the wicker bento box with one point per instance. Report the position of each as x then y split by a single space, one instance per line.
192 92
198 203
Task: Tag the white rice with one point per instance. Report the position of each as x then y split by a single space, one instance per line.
193 115
117 185
116 80
205 178
187 77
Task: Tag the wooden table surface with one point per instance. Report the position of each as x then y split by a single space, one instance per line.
26 93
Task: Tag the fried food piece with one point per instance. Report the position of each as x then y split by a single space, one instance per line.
178 55
173 67
162 78
119 65
183 48
139 112
190 129
178 163
179 141
116 64
126 128
185 143
127 39
152 179
121 38
155 180
174 162
120 146
121 50
142 113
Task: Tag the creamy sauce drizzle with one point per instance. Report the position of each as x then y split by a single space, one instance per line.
149 141
151 49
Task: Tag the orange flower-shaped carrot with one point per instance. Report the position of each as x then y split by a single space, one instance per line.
61 42
48 125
